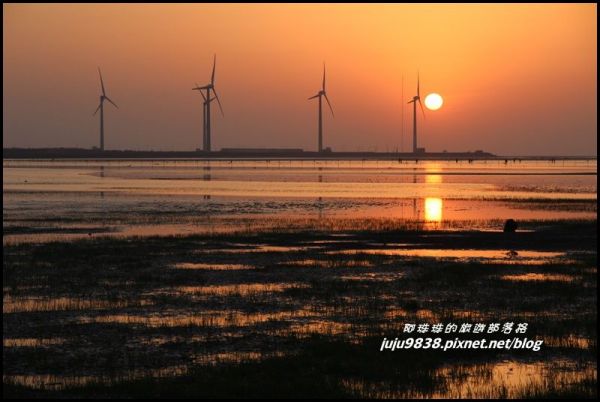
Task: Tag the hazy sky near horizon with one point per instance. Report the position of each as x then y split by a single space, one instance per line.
516 79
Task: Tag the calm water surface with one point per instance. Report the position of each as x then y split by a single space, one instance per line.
50 199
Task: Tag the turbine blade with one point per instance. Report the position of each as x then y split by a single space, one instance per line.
202 93
313 97
323 77
410 101
98 108
200 90
330 108
212 78
114 104
101 82
422 110
218 101
418 89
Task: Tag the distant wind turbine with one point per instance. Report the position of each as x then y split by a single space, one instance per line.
103 97
319 95
208 98
414 101
204 107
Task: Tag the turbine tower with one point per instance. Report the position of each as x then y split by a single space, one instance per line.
319 95
206 106
414 101
103 97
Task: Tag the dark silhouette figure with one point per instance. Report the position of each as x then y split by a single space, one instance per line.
510 226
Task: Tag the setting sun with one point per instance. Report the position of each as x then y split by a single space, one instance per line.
433 101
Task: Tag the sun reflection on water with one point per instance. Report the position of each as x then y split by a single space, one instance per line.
433 209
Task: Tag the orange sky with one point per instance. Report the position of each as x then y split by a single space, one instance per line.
516 79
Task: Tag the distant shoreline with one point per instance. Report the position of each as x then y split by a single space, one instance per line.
252 154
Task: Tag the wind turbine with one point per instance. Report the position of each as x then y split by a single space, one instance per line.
204 107
207 100
103 97
414 101
319 95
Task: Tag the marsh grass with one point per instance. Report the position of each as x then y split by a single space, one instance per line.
294 315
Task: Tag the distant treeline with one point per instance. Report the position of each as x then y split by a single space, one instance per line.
58 153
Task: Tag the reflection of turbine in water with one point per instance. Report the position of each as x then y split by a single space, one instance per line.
433 209
415 212
102 175
206 177
206 208
320 206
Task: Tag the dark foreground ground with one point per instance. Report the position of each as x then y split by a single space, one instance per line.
299 314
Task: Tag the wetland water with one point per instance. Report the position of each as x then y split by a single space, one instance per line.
71 198
263 278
